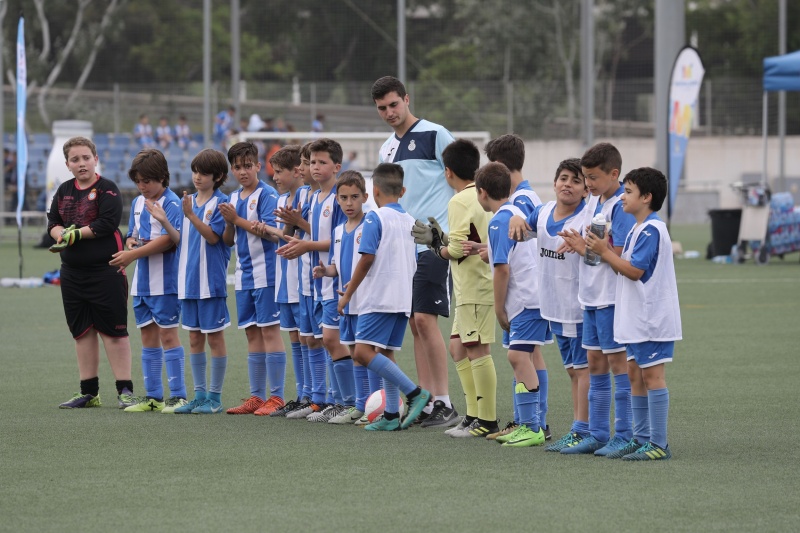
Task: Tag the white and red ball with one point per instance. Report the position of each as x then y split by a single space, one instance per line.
376 404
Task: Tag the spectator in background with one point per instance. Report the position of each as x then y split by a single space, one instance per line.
280 125
350 162
318 123
143 132
223 123
183 135
164 136
256 123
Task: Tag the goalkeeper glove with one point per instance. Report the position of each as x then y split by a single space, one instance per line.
429 234
69 236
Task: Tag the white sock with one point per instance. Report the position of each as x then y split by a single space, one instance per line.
445 399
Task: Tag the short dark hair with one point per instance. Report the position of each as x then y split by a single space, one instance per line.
305 153
603 155
388 178
150 164
79 141
649 181
287 157
495 179
507 149
333 148
386 85
572 164
352 178
243 152
211 162
463 158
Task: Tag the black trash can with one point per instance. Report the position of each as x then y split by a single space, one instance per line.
724 231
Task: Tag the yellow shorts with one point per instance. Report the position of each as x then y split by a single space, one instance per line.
474 324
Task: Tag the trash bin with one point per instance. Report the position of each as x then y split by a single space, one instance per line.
724 231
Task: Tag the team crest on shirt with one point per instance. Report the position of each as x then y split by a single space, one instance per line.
208 214
93 194
412 146
252 204
358 238
327 212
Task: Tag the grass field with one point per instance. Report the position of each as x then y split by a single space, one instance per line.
733 426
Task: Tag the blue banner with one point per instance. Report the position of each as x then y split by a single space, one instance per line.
684 90
22 102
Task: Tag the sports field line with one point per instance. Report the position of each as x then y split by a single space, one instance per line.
741 280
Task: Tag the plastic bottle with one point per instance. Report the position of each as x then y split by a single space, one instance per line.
598 227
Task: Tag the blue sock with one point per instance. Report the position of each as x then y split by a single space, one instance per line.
198 363
514 401
375 381
543 387
152 361
297 366
276 370
641 419
580 427
257 370
316 358
623 420
658 403
306 372
527 404
334 393
600 406
218 367
174 361
361 377
391 373
345 377
392 398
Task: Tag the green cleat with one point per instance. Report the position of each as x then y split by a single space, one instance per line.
415 407
145 404
524 437
173 403
570 439
79 401
126 399
649 452
384 424
630 447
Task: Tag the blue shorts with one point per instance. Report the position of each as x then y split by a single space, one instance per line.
505 341
164 310
651 353
347 330
290 317
257 307
384 330
330 314
598 330
309 327
207 315
529 329
573 355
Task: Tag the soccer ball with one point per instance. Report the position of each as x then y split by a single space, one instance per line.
376 403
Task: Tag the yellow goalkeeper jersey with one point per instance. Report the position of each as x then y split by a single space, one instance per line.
467 221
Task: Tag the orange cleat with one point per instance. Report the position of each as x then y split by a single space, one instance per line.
249 406
272 404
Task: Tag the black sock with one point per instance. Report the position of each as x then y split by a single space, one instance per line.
124 384
90 386
391 416
469 419
413 394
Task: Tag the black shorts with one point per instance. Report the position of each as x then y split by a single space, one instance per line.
95 298
432 285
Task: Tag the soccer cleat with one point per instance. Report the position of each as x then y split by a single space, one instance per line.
81 400
208 407
463 423
524 437
363 421
415 407
145 404
479 429
126 399
249 406
570 439
630 447
587 445
423 416
441 416
384 424
286 409
326 414
649 452
172 403
272 404
547 434
301 411
613 445
349 415
509 429
188 407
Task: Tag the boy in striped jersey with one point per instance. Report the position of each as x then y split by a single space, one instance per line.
155 282
202 278
258 313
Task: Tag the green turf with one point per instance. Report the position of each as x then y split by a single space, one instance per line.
733 425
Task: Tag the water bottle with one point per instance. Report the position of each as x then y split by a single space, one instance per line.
598 227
